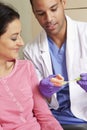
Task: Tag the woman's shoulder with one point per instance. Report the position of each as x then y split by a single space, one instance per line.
24 63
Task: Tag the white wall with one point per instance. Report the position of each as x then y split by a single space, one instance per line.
77 9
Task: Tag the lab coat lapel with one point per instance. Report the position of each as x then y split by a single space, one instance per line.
73 50
45 53
70 47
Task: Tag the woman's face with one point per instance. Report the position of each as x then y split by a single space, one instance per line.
11 41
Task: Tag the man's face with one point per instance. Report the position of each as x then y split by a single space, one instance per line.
50 14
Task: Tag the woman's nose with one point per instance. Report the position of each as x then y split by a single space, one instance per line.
20 42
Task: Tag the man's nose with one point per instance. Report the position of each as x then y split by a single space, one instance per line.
49 16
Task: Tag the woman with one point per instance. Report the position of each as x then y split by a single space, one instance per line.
21 105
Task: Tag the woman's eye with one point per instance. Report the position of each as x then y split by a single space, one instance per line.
13 39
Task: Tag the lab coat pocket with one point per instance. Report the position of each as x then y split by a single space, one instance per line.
83 65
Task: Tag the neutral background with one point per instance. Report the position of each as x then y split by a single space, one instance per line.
76 9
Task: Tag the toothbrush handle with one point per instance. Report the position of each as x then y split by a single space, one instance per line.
66 82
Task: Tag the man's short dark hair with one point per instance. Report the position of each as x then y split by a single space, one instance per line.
31 2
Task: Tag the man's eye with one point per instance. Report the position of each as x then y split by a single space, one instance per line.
41 14
54 9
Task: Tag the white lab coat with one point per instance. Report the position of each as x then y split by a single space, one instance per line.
76 60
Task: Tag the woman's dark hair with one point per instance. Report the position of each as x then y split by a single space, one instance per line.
7 15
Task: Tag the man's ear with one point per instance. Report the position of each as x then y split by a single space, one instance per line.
64 3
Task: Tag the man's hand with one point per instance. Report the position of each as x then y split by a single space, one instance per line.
50 85
83 81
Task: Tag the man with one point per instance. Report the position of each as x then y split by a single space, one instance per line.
61 48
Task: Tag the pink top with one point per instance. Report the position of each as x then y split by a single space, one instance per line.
21 105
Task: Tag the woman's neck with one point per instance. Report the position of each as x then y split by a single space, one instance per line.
6 67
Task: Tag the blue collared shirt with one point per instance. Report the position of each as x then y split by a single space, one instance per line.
58 58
